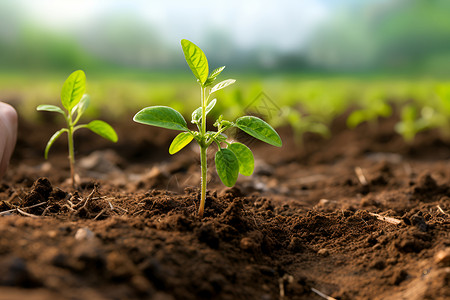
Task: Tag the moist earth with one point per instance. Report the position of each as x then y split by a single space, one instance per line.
362 215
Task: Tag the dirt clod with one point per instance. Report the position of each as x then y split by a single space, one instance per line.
442 258
323 252
15 272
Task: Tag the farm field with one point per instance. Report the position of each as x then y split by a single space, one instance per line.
353 206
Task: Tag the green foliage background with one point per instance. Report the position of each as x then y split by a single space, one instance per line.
396 52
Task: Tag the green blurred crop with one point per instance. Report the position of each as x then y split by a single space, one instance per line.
353 56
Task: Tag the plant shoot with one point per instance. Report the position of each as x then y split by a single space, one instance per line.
75 103
231 158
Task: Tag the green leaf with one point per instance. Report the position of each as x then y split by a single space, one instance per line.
213 76
161 116
227 166
54 137
409 113
180 141
196 60
259 129
245 158
52 108
103 129
210 105
216 72
356 118
384 110
197 114
319 128
222 84
82 105
73 89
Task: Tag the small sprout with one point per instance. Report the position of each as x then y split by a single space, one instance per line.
75 102
374 109
233 158
412 122
300 123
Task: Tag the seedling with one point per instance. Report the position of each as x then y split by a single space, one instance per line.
412 123
75 103
374 109
300 124
235 158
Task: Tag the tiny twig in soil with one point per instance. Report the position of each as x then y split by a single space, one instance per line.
100 213
364 221
386 219
16 194
45 211
83 203
322 294
122 209
442 211
26 214
359 173
15 209
13 195
138 212
69 206
110 205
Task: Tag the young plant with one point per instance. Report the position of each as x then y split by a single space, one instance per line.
230 160
374 109
75 103
411 122
300 124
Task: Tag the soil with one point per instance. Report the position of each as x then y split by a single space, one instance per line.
359 216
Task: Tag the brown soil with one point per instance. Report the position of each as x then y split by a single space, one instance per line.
303 224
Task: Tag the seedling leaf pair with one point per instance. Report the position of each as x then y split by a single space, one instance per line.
236 158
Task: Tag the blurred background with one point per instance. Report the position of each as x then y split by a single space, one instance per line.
294 52
372 36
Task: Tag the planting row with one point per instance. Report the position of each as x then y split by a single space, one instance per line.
306 105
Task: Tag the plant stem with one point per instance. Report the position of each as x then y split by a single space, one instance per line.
203 100
71 155
203 160
70 131
204 180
